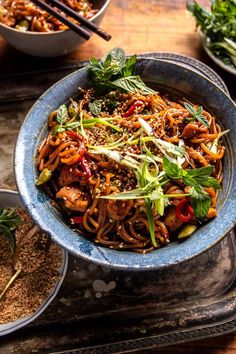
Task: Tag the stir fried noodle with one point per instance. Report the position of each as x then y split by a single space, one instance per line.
130 171
25 16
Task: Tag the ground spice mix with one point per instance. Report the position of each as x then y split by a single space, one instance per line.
29 290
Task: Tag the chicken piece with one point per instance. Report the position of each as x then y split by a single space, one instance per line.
74 198
171 221
118 209
192 129
69 174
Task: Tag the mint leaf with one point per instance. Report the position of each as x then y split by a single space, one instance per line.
211 182
95 107
201 172
132 84
62 114
200 201
115 71
196 114
171 169
129 66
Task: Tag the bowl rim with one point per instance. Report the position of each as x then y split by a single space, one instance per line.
13 326
101 255
51 33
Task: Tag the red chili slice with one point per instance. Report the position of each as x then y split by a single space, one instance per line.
134 106
75 135
76 220
184 211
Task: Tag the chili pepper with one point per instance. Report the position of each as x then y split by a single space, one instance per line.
85 167
184 211
76 220
75 135
133 107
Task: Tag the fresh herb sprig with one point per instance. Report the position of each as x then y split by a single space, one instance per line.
218 25
67 123
197 179
115 72
9 221
196 114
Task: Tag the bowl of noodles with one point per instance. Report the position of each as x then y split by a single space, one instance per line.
134 170
31 30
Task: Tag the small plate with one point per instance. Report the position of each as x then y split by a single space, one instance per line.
11 199
219 62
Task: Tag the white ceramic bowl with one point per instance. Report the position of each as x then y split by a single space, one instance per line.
11 199
49 44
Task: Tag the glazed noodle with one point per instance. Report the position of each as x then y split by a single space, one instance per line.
135 175
25 16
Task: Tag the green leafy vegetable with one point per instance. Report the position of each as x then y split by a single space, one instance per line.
218 25
132 84
95 107
200 201
9 221
62 114
197 179
196 114
114 71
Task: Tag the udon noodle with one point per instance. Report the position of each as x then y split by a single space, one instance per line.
25 16
126 172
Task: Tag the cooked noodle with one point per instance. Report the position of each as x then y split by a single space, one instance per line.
25 16
82 173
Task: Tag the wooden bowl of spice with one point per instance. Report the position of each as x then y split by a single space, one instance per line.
32 268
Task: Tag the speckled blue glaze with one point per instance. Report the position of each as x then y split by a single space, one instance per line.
162 74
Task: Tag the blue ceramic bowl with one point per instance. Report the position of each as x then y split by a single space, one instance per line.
163 76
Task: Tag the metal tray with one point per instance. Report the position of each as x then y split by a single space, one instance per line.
99 310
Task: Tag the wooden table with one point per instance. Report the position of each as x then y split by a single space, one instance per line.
138 27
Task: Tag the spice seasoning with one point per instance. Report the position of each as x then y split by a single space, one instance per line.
33 286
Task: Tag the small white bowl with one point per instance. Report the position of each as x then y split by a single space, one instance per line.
11 199
48 44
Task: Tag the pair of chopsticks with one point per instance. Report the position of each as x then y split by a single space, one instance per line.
73 26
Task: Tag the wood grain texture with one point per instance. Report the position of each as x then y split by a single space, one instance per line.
138 26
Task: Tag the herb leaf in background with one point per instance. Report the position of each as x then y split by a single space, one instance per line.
218 25
196 114
114 71
9 221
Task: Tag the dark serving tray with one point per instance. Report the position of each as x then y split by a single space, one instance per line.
99 310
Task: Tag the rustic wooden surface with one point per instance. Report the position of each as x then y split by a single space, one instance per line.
138 27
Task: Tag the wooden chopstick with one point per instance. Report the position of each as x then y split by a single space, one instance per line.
73 26
88 24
